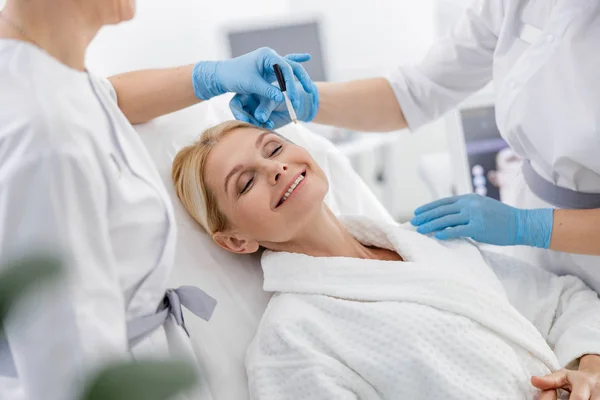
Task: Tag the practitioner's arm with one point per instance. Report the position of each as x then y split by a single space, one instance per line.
144 95
364 105
455 67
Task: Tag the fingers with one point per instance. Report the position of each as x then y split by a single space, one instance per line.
435 213
444 222
548 395
290 80
264 110
580 392
298 57
314 104
455 232
555 380
236 105
264 89
300 73
435 204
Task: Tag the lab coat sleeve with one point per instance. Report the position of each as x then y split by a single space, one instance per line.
563 308
454 67
56 202
108 87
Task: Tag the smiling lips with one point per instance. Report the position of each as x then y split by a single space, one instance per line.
291 188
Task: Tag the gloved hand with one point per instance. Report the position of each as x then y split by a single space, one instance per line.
251 73
265 112
485 220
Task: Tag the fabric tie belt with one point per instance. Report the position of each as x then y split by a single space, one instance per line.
556 195
191 297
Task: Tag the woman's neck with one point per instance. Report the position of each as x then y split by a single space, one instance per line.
326 236
59 29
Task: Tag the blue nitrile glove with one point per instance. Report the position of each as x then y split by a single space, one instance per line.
265 112
251 73
485 220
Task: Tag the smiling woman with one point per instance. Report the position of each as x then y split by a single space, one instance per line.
249 187
350 319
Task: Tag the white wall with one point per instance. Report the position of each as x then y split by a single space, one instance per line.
168 33
367 38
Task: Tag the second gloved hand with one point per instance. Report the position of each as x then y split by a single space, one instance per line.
270 114
485 220
273 114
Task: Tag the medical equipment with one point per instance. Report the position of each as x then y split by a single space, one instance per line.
283 88
301 35
236 281
475 145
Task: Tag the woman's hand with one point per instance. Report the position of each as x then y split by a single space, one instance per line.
485 220
252 74
584 384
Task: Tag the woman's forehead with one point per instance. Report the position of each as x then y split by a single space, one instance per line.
233 149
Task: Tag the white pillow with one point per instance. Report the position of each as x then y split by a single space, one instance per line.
236 281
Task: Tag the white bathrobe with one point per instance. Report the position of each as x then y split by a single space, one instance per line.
451 322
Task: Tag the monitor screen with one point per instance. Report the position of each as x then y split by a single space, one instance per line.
491 162
285 39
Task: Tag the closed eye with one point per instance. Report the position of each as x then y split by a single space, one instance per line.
245 189
277 150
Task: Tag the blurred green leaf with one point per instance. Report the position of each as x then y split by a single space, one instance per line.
19 276
148 380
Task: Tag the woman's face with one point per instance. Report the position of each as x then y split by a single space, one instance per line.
267 187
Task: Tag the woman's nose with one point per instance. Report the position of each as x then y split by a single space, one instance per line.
276 169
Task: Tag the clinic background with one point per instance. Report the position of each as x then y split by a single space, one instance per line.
359 39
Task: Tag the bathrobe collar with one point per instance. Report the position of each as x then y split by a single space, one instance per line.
455 262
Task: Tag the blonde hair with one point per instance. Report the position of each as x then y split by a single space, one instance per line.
190 182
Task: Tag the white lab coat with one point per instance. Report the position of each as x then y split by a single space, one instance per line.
543 59
75 179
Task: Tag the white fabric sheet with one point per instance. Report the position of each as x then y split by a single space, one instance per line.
442 324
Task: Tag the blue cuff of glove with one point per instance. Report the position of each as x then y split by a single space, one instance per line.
535 227
204 80
315 104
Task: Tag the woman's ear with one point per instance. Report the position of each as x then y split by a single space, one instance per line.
236 244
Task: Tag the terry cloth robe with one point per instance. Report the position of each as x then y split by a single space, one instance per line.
451 322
